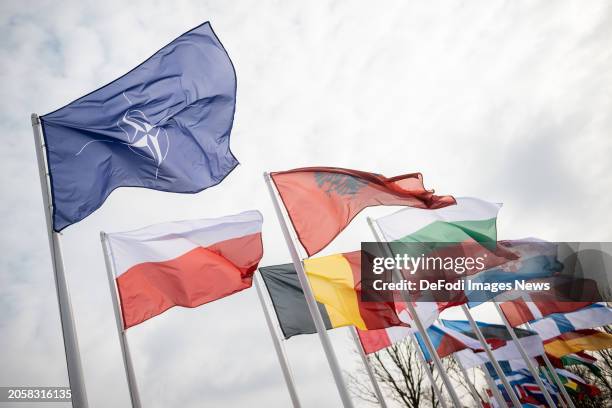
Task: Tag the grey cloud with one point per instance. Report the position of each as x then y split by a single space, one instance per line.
508 101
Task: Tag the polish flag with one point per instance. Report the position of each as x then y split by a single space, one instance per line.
185 263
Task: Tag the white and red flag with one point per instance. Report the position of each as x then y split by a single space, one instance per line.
184 263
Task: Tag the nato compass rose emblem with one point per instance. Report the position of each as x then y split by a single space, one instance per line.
341 184
145 140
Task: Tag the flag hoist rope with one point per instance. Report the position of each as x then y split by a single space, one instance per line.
310 300
109 262
417 320
278 347
71 344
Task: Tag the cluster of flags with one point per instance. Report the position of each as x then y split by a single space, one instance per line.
166 125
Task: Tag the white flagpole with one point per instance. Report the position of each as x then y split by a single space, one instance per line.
310 300
368 367
552 369
555 377
278 347
470 385
109 262
550 380
523 353
492 359
428 372
71 344
494 390
419 325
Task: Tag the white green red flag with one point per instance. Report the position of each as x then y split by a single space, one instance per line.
470 220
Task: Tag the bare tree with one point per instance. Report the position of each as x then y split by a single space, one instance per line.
402 377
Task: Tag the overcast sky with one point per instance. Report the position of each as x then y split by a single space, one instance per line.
508 101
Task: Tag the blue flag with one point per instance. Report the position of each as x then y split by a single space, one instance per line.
165 125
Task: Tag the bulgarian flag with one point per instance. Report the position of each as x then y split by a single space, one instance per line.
471 220
322 201
467 229
185 263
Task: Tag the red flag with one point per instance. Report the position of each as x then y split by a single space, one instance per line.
322 201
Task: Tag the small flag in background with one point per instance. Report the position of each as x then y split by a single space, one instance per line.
185 263
558 323
498 335
322 201
446 341
165 125
579 340
526 387
543 303
577 384
536 260
578 358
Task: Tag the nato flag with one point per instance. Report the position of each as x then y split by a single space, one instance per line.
164 125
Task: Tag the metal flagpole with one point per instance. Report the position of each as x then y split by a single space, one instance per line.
430 376
552 369
368 367
310 300
555 377
71 344
523 353
494 390
109 261
278 347
550 380
419 325
470 385
492 359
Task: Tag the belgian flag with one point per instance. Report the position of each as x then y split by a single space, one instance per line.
335 282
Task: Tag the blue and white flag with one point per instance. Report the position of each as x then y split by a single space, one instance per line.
589 317
165 125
